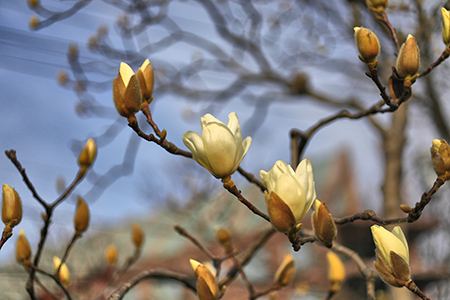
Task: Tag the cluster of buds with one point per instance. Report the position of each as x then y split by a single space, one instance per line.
289 194
131 91
11 208
286 271
220 149
368 46
440 156
392 255
323 224
207 288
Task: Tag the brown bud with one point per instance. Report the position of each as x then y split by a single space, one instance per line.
33 23
223 236
323 224
405 208
207 288
138 235
440 156
146 80
64 274
367 43
11 207
377 5
62 77
81 220
23 249
87 154
126 92
111 255
408 60
281 216
286 271
336 271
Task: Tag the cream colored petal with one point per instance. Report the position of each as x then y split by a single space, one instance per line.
287 189
145 64
194 264
208 119
220 148
305 178
386 241
398 232
235 128
243 151
194 142
126 72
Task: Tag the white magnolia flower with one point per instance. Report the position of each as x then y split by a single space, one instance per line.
295 189
220 148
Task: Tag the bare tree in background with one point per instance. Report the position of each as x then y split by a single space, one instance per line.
267 53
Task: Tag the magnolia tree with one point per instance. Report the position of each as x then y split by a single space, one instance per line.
288 187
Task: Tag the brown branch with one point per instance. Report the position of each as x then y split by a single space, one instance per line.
194 241
441 59
188 281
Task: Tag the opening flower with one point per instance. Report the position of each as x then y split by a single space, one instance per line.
126 92
207 288
220 148
290 194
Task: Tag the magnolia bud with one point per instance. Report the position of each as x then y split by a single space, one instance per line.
64 274
408 60
336 271
445 26
377 5
323 224
223 236
62 77
286 271
81 220
111 255
281 216
33 3
440 156
11 207
87 154
367 43
126 92
146 80
33 23
207 288
23 249
138 235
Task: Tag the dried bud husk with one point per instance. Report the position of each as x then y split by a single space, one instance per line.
286 271
368 44
11 207
323 224
281 216
336 271
440 156
223 236
111 255
408 60
23 249
64 274
207 288
445 26
138 235
146 81
377 5
81 220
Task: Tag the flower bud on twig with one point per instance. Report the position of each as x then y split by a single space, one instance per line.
223 236
33 23
377 5
207 288
336 271
11 207
23 249
146 81
126 92
440 156
87 154
445 26
286 271
323 224
408 60
81 220
111 255
392 255
64 274
138 235
367 43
